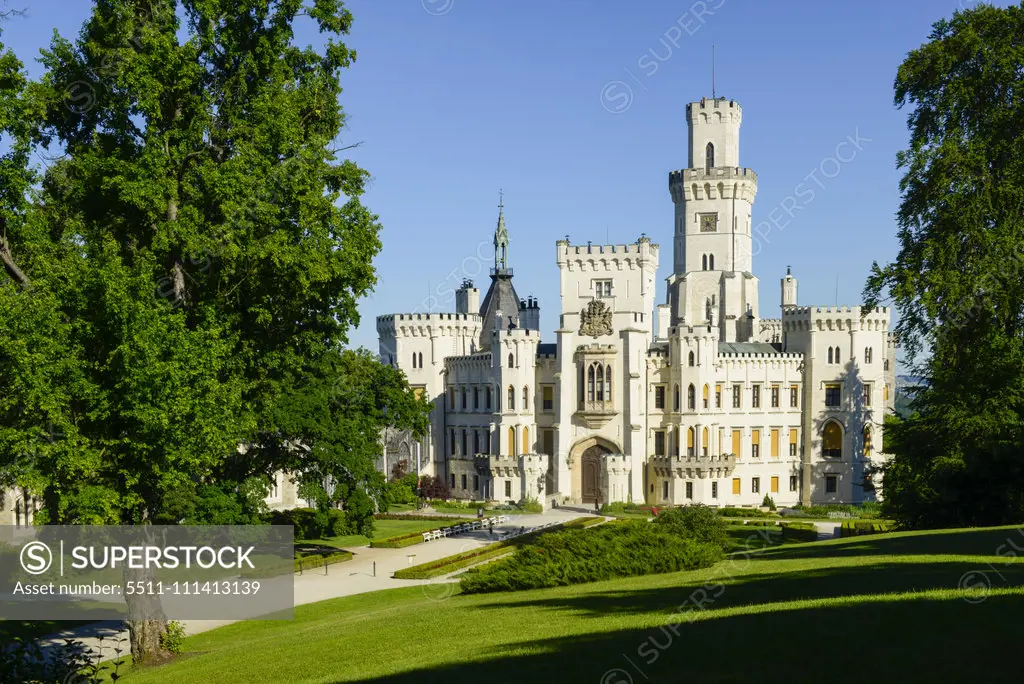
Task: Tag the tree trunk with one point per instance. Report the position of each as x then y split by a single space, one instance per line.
146 619
144 636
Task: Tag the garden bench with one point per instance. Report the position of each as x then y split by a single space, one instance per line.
426 537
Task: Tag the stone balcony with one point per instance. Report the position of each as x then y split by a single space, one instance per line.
596 414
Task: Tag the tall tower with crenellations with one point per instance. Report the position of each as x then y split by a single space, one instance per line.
712 282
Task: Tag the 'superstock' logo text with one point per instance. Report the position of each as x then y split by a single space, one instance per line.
155 557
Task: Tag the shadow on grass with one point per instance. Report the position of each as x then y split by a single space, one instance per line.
904 640
757 588
991 541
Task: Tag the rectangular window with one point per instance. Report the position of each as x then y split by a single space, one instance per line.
453 481
735 485
794 396
464 398
659 443
718 396
549 442
833 393
792 483
548 397
792 441
476 398
418 392
476 441
508 489
465 443
664 490
775 443
775 396
755 443
464 481
714 490
689 490
736 443
453 442
487 442
476 483
603 288
755 485
736 389
867 394
831 484
451 398
775 484
885 392
659 396
488 405
755 396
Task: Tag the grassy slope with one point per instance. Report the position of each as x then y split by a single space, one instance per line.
880 608
382 529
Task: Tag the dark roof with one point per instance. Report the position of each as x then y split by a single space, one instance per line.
748 348
547 349
501 296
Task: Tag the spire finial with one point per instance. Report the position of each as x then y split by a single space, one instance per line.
788 271
501 198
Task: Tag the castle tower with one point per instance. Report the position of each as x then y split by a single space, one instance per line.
500 308
712 281
788 289
467 298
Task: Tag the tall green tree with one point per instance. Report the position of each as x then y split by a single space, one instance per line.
184 278
958 280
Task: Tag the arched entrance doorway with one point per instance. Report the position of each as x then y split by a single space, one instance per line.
587 469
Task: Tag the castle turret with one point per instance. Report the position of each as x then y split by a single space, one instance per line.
467 298
788 289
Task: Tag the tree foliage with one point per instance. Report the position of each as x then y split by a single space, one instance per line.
180 282
957 278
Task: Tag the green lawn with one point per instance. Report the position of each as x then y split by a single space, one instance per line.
884 608
382 529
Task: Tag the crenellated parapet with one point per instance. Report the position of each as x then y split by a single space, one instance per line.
428 325
719 182
693 467
846 318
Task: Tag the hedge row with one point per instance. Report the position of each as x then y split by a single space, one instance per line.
851 528
576 556
761 523
403 540
729 512
443 566
314 561
799 532
422 518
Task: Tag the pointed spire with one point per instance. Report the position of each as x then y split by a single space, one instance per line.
501 237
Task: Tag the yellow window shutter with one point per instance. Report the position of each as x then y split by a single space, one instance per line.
735 485
775 484
736 442
775 443
755 437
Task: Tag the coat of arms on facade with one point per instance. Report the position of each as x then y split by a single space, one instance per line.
596 319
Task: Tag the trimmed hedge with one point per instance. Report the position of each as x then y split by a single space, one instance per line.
732 512
799 532
575 556
311 524
852 528
761 523
403 540
443 566
421 518
313 561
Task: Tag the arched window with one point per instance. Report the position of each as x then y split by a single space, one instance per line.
608 383
691 397
600 382
526 397
526 440
704 262
691 359
705 438
867 441
707 391
511 361
675 398
885 365
709 158
511 398
590 383
421 359
837 354
414 360
830 355
511 441
691 437
832 440
711 262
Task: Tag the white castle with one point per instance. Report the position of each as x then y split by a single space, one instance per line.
698 399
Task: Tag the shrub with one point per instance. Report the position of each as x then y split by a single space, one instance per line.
697 521
434 488
575 556
799 532
768 502
531 506
852 528
730 512
312 524
173 638
401 490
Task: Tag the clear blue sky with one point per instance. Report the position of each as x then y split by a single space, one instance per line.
453 99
